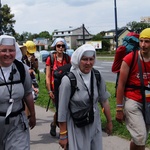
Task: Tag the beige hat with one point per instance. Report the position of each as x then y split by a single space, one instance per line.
23 49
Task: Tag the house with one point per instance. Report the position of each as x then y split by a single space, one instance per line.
111 34
74 37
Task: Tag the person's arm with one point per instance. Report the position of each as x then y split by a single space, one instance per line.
124 71
48 84
107 113
63 139
30 104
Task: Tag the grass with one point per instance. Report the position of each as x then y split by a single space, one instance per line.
118 129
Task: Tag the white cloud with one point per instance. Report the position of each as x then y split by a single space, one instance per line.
97 15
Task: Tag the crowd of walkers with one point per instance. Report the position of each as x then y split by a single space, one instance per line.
81 90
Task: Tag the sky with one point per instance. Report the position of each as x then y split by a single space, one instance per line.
35 16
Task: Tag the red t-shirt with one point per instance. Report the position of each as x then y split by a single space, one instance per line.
134 78
55 66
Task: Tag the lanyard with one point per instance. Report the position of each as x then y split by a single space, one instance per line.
9 89
92 88
11 101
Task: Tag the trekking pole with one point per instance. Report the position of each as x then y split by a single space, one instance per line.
48 105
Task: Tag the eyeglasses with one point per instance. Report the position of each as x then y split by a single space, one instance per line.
59 45
7 50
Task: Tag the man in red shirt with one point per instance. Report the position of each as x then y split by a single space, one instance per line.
129 100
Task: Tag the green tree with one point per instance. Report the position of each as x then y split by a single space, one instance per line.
45 34
137 26
7 22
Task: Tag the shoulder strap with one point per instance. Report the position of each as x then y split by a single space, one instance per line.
67 58
21 69
142 81
52 58
98 76
73 82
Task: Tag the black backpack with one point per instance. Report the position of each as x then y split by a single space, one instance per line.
21 70
58 75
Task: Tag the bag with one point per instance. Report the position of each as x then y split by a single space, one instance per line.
86 116
58 75
83 117
146 105
130 43
147 113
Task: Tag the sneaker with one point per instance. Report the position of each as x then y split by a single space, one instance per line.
52 130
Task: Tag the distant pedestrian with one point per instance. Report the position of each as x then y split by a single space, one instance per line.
59 59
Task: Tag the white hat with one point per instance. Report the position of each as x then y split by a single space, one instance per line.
7 40
84 50
59 40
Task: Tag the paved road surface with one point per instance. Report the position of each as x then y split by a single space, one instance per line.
41 139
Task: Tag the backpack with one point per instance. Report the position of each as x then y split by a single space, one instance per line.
21 70
130 43
58 75
52 56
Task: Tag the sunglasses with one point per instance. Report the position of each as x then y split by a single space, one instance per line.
59 45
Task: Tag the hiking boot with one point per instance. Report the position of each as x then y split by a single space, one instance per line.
53 130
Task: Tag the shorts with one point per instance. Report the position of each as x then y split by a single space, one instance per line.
135 121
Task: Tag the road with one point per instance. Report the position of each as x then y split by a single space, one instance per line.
103 66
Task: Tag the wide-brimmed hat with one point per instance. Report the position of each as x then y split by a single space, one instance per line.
31 47
23 49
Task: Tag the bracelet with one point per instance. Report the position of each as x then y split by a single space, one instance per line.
109 121
63 138
119 109
63 132
119 105
49 92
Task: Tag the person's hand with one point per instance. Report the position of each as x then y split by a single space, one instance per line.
36 90
109 127
32 121
120 116
63 143
51 95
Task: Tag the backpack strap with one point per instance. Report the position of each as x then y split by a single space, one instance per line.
21 70
52 58
98 76
73 82
67 58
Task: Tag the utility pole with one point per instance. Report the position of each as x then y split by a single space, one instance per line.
116 26
83 34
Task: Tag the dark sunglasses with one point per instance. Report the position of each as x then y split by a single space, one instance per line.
59 45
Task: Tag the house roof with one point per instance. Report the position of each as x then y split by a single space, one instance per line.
120 31
70 29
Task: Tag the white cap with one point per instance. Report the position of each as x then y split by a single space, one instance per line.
7 40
